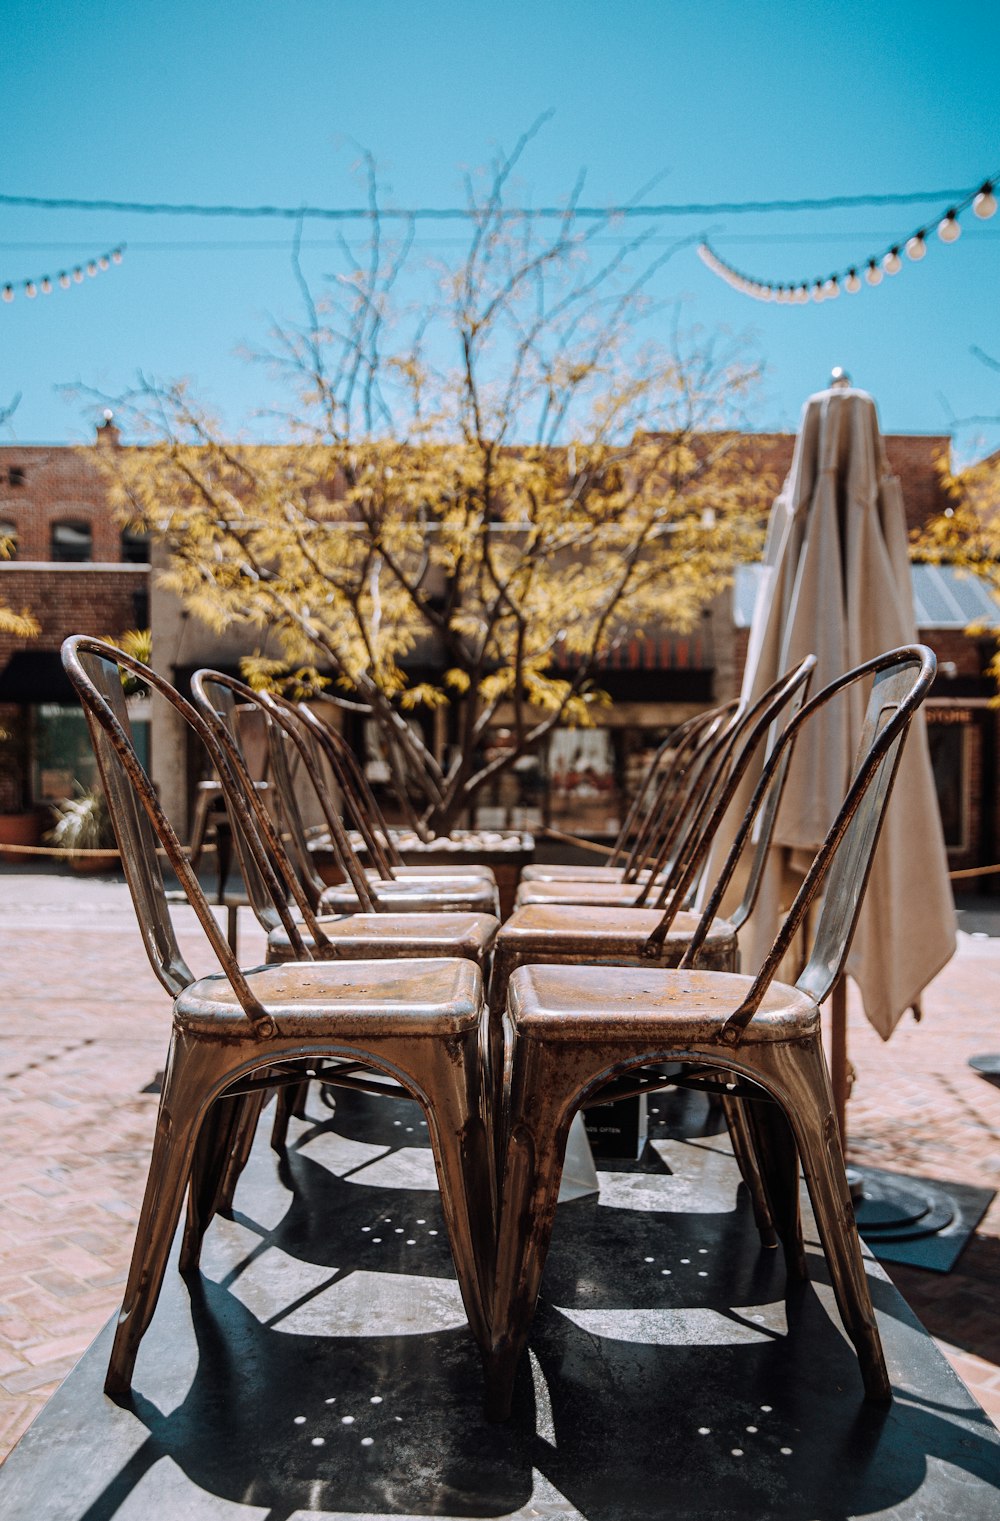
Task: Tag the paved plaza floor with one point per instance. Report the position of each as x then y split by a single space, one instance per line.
83 1029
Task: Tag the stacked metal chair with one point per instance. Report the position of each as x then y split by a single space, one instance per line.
416 1023
572 1030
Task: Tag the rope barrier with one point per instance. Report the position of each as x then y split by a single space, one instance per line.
552 834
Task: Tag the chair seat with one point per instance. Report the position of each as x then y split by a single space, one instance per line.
350 999
593 894
417 895
576 874
446 872
568 931
679 1008
374 937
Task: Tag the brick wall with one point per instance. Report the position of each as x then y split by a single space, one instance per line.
55 484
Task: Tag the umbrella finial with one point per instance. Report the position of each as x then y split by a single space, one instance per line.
839 379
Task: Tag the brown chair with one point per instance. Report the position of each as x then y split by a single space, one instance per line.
649 814
427 926
361 804
572 1030
416 1022
565 934
685 809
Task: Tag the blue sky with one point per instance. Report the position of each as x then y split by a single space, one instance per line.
256 102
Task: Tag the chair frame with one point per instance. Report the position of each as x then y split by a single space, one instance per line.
226 1046
552 1066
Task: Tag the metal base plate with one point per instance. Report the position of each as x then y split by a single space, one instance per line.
320 1364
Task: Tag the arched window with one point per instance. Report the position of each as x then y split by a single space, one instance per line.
72 540
8 540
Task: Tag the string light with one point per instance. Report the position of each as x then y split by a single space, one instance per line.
65 278
982 201
949 230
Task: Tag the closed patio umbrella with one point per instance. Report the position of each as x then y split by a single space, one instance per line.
836 583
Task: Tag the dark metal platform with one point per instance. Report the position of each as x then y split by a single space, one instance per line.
321 1366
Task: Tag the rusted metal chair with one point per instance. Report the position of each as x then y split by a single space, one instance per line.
564 934
418 1023
427 925
649 814
377 836
684 809
572 1030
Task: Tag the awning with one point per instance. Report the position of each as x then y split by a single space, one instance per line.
36 676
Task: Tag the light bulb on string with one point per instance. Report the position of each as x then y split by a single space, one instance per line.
817 291
892 263
30 289
64 279
916 247
8 292
78 275
103 262
852 284
985 203
831 288
873 274
949 230
92 268
803 293
116 256
45 285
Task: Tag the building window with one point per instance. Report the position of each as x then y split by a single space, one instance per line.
135 547
72 541
948 732
8 540
16 475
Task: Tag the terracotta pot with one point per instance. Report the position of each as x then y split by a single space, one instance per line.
18 829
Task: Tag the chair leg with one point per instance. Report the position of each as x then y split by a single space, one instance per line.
291 1100
742 1138
541 1104
224 1142
192 1075
778 1159
463 1156
801 1074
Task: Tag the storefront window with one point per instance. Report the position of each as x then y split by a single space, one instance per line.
62 756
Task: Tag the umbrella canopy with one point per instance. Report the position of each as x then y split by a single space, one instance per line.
837 584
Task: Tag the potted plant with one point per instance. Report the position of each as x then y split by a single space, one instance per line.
82 823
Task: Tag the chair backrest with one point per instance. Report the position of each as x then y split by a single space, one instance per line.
217 695
140 823
721 770
657 802
900 681
360 802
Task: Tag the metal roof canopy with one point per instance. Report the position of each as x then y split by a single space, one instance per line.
943 597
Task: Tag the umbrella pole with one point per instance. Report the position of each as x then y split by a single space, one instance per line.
838 1055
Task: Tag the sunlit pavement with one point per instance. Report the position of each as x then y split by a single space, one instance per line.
83 1028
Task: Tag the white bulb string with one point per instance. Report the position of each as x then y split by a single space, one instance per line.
982 200
44 285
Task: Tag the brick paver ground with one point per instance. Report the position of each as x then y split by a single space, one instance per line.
83 1026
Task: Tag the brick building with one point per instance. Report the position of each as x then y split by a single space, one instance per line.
77 571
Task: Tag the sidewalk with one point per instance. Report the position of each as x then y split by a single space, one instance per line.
83 1030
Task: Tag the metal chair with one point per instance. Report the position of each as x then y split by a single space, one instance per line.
427 924
377 836
572 1030
418 1023
641 835
684 805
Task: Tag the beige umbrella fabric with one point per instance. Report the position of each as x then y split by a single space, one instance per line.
837 583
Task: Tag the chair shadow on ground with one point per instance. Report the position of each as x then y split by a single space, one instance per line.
663 1375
